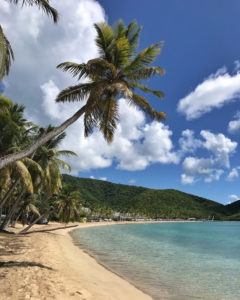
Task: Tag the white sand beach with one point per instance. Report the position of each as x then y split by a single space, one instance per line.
49 266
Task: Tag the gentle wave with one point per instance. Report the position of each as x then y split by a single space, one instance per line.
177 261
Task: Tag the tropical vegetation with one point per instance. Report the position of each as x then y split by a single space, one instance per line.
118 72
25 183
102 197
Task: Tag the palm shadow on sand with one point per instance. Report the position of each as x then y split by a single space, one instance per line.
23 264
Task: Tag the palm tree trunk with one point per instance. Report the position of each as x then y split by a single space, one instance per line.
13 209
8 159
31 225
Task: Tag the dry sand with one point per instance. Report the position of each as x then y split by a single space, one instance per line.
47 265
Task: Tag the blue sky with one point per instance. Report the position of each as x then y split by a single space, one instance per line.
200 55
200 37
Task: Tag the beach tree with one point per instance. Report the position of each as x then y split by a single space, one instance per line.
119 71
50 158
68 205
6 51
14 135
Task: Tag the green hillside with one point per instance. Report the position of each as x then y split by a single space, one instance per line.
233 210
97 194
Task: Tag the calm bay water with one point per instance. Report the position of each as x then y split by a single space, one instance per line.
171 260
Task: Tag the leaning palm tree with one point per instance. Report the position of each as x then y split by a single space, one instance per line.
119 71
6 52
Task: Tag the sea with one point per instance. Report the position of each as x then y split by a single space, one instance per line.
180 261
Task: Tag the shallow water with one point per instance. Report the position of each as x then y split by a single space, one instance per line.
171 260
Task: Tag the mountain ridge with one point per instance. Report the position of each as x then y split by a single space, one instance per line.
153 203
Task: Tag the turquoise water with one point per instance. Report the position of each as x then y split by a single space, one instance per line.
171 260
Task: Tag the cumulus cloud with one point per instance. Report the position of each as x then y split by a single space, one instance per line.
220 145
195 168
214 92
130 150
233 198
187 179
219 148
234 125
34 81
188 143
233 174
39 48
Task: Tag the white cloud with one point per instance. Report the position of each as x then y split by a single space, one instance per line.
132 181
186 179
103 178
233 174
219 149
214 92
234 125
34 81
39 48
195 168
219 145
130 150
188 143
233 198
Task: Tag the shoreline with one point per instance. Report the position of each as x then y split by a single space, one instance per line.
108 269
50 265
47 264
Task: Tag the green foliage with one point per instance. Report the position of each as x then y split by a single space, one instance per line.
117 73
41 4
68 205
151 203
6 54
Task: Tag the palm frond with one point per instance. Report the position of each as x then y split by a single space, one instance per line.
145 73
145 57
119 29
104 39
5 178
75 93
66 153
145 89
24 176
143 104
132 33
109 118
33 165
62 164
90 118
74 68
99 68
122 52
41 4
6 55
33 209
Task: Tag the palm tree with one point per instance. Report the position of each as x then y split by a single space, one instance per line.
6 52
68 205
15 132
119 71
49 157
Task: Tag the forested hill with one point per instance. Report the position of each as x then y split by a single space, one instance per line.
97 195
